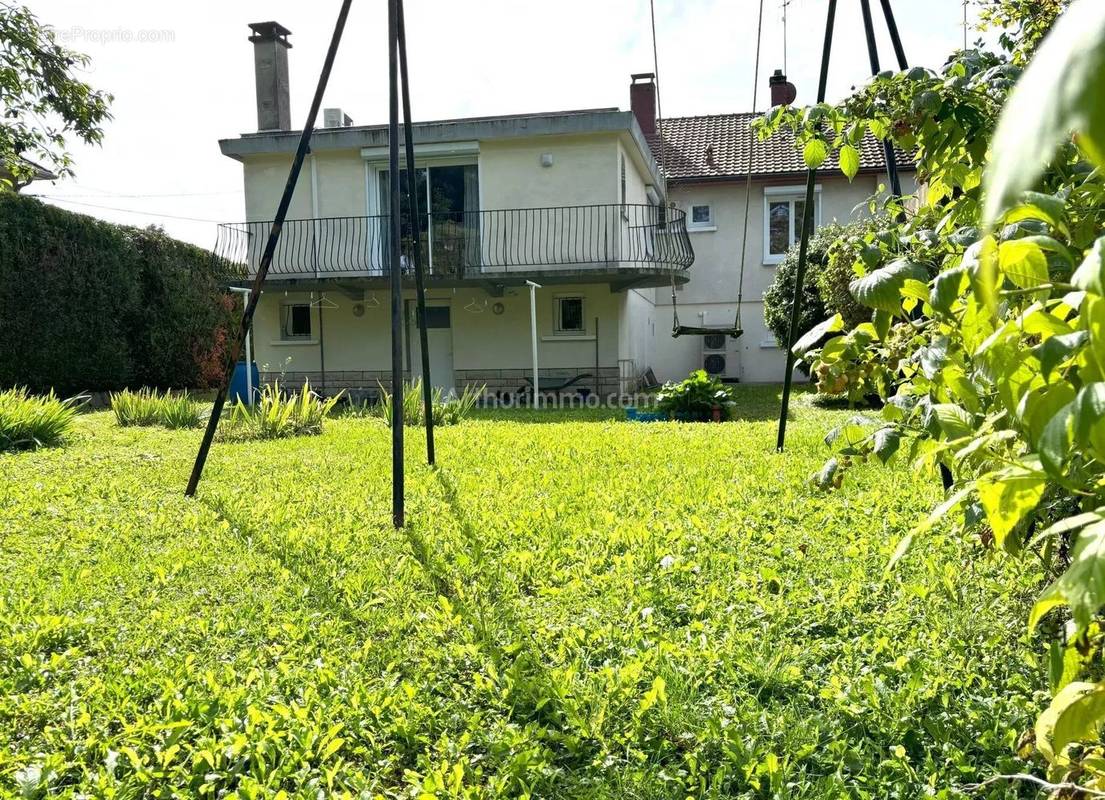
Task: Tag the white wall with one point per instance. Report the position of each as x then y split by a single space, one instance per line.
710 296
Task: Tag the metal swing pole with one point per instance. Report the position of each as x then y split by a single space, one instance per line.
397 512
266 257
412 203
803 248
873 57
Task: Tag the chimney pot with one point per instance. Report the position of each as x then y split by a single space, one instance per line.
270 64
642 100
783 91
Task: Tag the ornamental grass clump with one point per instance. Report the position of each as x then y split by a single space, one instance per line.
277 415
28 422
446 410
147 407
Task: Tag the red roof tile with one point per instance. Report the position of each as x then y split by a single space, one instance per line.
716 147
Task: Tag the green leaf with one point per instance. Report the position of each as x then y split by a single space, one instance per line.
886 442
816 333
1008 497
1090 276
1023 262
1035 205
1055 350
1073 716
881 288
1059 92
950 420
849 161
815 153
1082 586
946 288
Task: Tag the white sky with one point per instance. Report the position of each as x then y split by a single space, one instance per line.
175 97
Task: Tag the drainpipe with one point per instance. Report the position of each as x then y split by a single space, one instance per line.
533 287
244 292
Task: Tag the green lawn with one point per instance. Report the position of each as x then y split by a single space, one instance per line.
579 607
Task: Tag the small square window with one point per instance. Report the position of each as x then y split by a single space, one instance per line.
701 215
295 321
569 315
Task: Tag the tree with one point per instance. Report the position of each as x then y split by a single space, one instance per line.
1022 24
41 100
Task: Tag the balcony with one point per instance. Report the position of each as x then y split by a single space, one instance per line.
638 245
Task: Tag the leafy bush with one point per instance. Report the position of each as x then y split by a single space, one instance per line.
277 415
825 289
695 397
150 407
28 422
446 410
989 316
87 305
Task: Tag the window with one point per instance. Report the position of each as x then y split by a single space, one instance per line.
784 210
295 321
701 216
568 315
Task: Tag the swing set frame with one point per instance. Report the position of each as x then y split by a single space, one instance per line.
397 68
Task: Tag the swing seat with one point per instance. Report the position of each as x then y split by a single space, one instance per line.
688 330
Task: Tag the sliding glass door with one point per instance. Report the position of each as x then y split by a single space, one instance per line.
448 219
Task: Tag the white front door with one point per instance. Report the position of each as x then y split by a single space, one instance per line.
439 336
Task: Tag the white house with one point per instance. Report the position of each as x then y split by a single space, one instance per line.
573 200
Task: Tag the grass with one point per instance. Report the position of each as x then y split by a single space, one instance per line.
579 607
146 407
28 422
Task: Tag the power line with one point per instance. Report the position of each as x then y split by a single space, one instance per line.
113 195
125 210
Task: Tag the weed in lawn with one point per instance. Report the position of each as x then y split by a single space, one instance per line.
29 421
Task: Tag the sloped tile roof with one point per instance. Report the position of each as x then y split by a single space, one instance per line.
716 147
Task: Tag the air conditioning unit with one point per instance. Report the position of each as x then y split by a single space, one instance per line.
714 342
335 118
720 358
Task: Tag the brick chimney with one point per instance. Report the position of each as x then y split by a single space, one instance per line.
270 64
642 100
783 91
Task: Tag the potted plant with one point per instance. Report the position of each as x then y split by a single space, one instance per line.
698 398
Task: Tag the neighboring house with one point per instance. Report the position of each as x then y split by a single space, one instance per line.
572 200
706 159
29 173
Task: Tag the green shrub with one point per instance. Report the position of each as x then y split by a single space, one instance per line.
277 415
28 422
695 397
87 305
825 289
446 411
150 407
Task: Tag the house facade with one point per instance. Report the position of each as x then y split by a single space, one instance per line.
574 201
570 200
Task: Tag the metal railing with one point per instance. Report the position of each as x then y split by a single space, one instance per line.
472 243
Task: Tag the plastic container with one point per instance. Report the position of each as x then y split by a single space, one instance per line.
238 388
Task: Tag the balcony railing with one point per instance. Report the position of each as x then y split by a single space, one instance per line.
472 244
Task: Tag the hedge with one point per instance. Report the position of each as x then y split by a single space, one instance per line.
90 306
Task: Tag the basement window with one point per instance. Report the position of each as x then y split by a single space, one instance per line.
295 321
568 315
